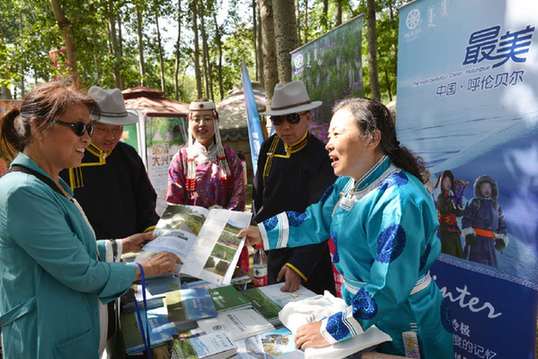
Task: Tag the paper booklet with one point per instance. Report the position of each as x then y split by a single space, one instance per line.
205 240
269 300
275 344
208 346
189 305
238 324
161 329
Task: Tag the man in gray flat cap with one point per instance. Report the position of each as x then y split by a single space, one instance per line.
293 172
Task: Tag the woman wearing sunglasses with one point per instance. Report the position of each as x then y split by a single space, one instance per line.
53 280
384 225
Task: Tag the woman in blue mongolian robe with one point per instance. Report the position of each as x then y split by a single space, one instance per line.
384 224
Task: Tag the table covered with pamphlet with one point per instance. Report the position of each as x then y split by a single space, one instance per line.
209 308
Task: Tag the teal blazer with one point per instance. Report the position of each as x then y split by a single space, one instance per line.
51 277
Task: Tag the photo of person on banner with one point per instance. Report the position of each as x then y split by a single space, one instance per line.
483 223
384 223
450 207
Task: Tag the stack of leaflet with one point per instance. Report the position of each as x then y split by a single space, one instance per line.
208 346
238 324
228 298
186 306
161 330
171 313
157 286
269 300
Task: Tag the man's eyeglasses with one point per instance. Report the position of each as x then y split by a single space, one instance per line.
292 119
78 128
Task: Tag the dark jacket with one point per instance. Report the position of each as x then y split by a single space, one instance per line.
117 196
291 184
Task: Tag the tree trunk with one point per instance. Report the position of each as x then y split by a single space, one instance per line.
270 73
22 64
114 47
96 65
141 64
255 37
218 39
285 36
23 87
259 50
178 53
120 34
36 76
372 51
5 93
160 49
394 21
338 19
65 27
298 22
387 81
305 21
391 9
196 54
205 52
325 16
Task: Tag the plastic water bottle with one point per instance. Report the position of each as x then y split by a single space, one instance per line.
259 267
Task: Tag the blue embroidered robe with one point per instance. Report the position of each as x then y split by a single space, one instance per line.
384 227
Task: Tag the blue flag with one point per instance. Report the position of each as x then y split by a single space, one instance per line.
255 133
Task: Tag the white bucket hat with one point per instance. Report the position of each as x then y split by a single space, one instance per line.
111 106
291 98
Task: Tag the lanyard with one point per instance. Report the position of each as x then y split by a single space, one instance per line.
143 331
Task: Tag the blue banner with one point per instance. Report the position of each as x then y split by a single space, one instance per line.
255 133
468 105
488 319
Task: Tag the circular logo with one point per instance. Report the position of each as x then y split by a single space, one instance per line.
413 19
298 61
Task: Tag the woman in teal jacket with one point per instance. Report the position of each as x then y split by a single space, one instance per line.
54 278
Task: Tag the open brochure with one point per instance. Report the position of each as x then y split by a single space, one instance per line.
205 240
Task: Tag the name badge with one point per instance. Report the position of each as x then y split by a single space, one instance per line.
347 202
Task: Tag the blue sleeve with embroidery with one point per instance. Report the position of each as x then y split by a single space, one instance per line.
296 229
401 235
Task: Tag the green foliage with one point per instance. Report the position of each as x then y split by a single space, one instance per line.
28 31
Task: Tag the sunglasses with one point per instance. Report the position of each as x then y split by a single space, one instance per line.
292 119
78 128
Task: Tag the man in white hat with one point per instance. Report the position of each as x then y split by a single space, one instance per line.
112 184
294 170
